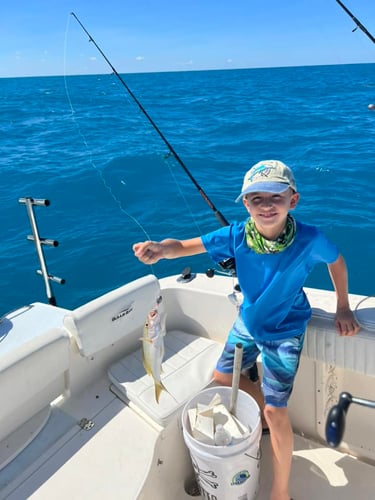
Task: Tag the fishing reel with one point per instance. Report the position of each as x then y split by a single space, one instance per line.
227 267
335 423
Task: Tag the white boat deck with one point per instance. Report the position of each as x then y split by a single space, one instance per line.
124 452
112 459
320 473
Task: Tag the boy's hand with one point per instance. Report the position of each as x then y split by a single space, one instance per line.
345 323
148 252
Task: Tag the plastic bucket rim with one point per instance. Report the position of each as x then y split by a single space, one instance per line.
254 436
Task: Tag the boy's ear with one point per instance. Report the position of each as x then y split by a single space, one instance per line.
294 200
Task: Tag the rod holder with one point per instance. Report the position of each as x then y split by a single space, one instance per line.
44 241
56 279
39 242
34 201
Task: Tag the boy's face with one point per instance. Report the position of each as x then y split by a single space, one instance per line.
269 210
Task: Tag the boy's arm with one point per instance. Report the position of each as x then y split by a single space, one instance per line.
345 321
150 252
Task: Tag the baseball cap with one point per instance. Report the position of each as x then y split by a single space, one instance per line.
269 176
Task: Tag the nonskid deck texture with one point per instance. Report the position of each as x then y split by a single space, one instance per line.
117 454
320 473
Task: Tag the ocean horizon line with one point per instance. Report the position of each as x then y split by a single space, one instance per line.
179 71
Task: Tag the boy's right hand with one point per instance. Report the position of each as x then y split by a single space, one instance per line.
148 252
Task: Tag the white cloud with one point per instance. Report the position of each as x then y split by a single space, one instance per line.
139 58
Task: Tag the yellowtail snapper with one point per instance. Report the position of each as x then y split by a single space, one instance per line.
153 348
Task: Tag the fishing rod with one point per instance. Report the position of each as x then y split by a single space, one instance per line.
228 264
223 221
358 23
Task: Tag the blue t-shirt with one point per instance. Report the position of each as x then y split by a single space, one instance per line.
275 305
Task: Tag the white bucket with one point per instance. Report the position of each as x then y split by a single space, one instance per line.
226 472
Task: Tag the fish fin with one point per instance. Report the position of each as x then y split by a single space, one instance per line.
147 370
159 387
150 341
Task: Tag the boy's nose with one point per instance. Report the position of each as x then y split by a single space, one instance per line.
267 202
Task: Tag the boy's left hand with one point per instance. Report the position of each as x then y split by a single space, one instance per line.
345 323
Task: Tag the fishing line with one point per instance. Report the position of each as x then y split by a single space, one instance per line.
92 163
167 157
181 192
218 214
228 264
89 151
359 25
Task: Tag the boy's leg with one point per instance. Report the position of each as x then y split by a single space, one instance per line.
280 364
281 437
224 370
252 388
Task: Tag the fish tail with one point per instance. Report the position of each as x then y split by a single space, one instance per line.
159 387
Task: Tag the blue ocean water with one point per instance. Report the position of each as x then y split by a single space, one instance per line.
82 143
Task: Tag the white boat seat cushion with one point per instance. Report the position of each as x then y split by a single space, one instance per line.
34 358
188 366
116 314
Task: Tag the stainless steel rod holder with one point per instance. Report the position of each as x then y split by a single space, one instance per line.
38 241
56 279
34 201
44 241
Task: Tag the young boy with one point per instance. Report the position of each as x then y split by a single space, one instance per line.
274 254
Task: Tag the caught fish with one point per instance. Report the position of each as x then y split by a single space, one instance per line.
153 349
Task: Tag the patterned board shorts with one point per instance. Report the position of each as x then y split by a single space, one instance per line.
280 360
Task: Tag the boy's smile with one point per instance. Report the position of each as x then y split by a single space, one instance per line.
269 210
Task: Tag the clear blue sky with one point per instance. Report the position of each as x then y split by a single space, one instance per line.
39 37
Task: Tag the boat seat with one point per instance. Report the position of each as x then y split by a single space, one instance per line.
34 360
322 342
112 316
188 366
